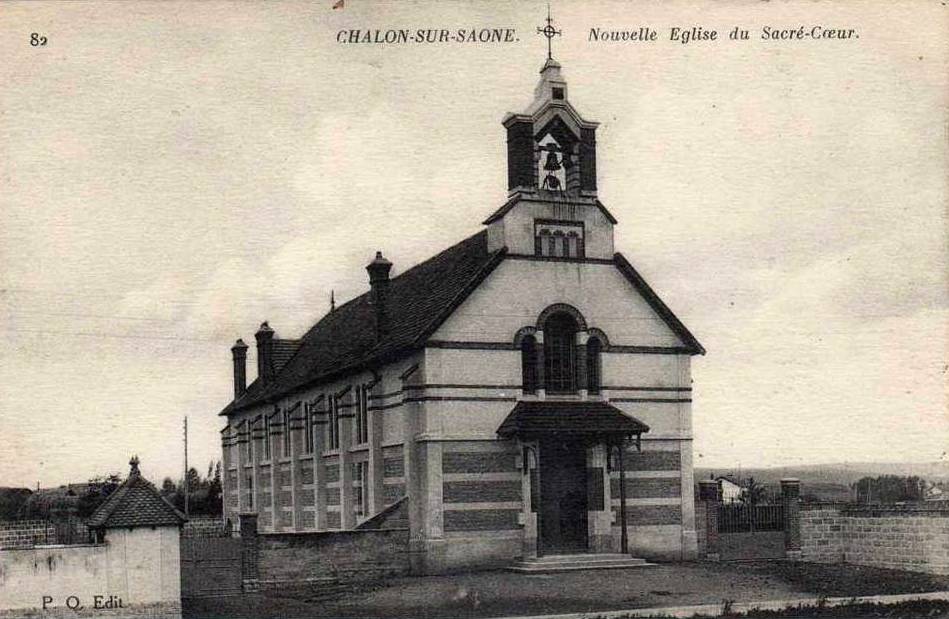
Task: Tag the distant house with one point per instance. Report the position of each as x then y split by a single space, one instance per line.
936 492
729 489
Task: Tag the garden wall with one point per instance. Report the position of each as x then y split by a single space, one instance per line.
133 574
287 559
912 537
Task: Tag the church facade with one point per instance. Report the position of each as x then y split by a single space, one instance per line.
522 393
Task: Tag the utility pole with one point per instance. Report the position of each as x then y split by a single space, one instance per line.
187 489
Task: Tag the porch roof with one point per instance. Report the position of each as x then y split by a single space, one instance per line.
532 418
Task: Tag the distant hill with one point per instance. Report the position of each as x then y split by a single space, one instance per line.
831 482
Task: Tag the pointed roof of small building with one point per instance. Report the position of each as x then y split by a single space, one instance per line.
136 503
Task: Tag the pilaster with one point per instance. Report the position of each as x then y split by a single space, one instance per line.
600 514
296 465
376 468
346 415
319 466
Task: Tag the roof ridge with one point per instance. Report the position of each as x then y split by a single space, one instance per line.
392 279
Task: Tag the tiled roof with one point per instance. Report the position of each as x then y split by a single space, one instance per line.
283 351
136 503
344 340
576 418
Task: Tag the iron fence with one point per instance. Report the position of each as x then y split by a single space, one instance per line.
745 518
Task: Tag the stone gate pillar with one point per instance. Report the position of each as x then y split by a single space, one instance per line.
250 573
790 498
710 494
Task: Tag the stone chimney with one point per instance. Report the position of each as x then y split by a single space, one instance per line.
265 369
239 352
379 283
133 467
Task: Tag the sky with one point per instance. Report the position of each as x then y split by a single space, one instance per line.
173 174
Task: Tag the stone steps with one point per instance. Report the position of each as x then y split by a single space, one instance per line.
569 563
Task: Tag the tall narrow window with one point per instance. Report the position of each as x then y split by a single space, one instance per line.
308 413
361 488
332 428
362 414
560 334
250 490
593 365
228 443
529 364
266 437
286 434
244 434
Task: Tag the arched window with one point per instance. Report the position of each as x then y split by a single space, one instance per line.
593 365
560 335
529 364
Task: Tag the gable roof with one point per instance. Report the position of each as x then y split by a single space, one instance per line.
136 503
532 418
692 345
417 302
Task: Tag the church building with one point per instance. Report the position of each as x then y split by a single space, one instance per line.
523 393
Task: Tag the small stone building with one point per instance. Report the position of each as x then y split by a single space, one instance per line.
139 524
525 390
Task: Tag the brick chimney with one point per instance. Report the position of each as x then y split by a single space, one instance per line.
379 283
239 352
265 370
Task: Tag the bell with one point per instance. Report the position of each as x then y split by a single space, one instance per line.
552 163
551 182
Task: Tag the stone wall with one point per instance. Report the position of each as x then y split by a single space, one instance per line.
911 537
296 559
134 573
29 533
204 526
26 533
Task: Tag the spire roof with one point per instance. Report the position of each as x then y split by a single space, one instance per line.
136 503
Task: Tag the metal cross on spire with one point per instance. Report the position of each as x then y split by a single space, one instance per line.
550 32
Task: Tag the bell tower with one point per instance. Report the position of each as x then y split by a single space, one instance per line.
552 211
551 147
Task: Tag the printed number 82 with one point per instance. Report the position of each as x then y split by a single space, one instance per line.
37 40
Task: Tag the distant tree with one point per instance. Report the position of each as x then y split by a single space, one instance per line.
12 501
204 493
97 491
752 492
888 489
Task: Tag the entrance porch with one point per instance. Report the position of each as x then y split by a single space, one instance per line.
566 451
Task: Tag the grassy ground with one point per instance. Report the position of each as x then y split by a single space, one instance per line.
496 593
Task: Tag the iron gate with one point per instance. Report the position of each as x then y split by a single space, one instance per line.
750 531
